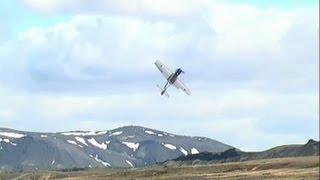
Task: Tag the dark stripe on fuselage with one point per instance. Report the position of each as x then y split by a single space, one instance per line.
172 78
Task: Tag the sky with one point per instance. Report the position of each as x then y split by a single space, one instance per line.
252 67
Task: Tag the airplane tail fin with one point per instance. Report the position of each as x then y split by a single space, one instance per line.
163 92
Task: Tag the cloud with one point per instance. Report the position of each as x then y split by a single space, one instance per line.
249 137
95 49
6 115
256 118
100 49
139 8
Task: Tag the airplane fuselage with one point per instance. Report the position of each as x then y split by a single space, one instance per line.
171 79
174 76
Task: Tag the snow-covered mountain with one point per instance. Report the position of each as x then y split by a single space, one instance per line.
129 146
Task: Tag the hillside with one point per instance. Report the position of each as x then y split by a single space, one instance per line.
125 147
275 168
311 148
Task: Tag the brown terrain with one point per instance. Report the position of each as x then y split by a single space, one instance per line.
276 168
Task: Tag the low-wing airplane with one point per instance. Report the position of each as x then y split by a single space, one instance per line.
172 79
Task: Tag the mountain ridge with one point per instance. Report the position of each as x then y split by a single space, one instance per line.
124 147
311 148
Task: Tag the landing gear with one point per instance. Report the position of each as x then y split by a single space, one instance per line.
164 88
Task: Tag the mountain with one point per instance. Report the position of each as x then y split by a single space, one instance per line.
311 148
125 147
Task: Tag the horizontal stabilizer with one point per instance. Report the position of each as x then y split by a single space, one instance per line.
163 92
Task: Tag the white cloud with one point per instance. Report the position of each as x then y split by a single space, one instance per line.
255 117
102 48
102 41
244 29
164 8
244 133
6 115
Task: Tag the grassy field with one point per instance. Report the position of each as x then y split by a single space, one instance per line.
291 168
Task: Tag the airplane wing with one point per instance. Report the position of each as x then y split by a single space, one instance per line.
163 69
179 84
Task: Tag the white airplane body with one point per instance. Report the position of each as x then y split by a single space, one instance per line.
172 79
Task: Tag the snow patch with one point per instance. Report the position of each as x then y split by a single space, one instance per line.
132 145
149 132
53 161
81 140
95 143
72 142
12 135
86 133
100 160
194 151
183 151
116 133
128 162
160 135
5 140
128 137
43 136
13 144
169 146
78 133
101 132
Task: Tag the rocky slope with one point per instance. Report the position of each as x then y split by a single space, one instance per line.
130 146
311 148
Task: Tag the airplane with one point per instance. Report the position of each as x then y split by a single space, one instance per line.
172 79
